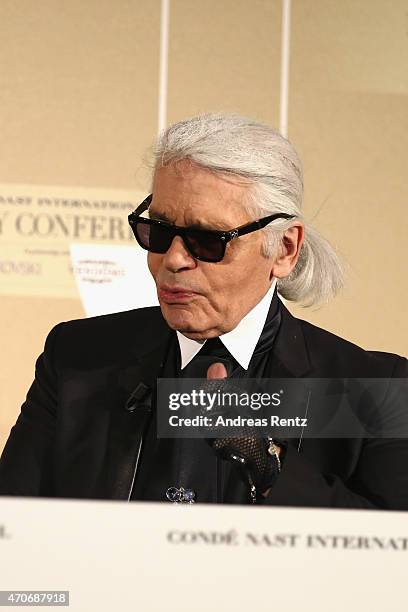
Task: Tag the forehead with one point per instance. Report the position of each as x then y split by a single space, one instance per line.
185 194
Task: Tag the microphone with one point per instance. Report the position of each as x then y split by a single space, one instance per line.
256 458
141 396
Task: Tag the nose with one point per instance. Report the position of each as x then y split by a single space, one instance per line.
177 257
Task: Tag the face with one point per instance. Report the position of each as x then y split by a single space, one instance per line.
201 299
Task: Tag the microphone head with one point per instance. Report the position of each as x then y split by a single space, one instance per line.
251 449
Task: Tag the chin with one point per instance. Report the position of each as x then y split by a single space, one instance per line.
180 319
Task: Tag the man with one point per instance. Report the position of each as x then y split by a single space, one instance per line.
224 230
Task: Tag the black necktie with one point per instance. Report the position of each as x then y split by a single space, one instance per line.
194 454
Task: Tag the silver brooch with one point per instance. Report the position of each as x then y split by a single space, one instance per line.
180 495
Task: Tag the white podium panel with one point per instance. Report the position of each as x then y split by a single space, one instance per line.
117 556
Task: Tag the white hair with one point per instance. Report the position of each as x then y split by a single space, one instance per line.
229 144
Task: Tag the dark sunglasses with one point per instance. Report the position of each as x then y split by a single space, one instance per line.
206 245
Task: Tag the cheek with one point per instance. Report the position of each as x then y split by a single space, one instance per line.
243 277
224 287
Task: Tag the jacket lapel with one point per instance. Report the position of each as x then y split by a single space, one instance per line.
290 354
290 359
129 421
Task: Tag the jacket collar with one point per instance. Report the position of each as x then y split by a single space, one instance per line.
290 355
130 418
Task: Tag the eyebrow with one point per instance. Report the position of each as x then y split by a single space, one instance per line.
197 225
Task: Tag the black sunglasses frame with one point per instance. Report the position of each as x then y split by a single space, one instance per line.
223 236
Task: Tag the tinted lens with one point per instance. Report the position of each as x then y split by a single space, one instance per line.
205 245
158 238
153 237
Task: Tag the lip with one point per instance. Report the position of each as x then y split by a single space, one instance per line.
172 294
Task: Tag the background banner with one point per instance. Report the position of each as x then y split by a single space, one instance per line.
38 225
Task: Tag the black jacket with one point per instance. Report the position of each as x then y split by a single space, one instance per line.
74 437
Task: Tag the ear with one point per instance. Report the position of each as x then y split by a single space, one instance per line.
289 251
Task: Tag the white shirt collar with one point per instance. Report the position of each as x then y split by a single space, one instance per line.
241 341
